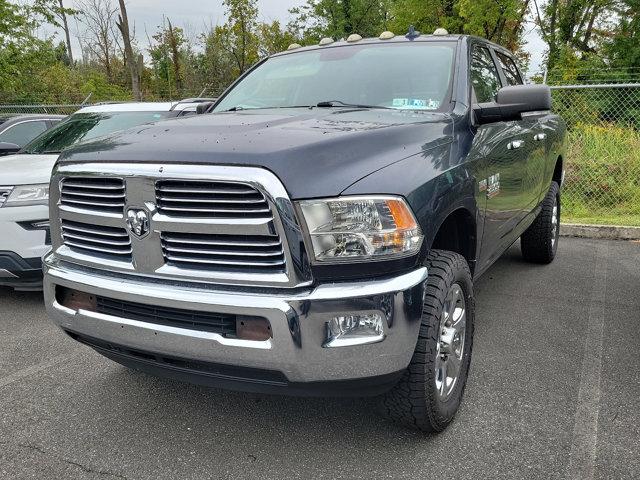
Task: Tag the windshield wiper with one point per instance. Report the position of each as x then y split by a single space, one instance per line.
340 103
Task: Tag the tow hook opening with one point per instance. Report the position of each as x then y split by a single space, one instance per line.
76 300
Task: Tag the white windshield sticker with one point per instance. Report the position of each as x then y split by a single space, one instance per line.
416 104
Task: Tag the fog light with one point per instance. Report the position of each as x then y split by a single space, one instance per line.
357 329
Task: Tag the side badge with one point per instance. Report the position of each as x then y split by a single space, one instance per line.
493 189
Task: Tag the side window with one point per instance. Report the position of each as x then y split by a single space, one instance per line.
484 75
510 70
23 133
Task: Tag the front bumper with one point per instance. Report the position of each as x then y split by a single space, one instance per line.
293 357
20 273
22 246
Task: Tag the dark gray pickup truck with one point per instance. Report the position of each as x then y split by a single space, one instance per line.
319 230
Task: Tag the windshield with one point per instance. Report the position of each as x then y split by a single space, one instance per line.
415 76
85 126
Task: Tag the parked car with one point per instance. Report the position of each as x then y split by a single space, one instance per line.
320 231
18 130
24 182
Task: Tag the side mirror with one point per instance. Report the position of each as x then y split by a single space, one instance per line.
203 107
8 148
512 102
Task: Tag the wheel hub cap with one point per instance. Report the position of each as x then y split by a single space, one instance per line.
451 337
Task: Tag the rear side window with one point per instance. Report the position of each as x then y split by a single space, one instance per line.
510 70
23 133
484 75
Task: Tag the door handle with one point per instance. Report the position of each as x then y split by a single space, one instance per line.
539 137
515 144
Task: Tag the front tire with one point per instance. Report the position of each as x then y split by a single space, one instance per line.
539 243
429 393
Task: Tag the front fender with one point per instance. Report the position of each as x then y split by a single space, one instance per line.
433 184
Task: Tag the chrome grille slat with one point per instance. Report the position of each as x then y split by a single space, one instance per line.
231 253
214 201
206 191
216 210
92 186
97 194
227 240
245 263
94 231
108 241
111 241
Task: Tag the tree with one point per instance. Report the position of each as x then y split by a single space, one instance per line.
273 39
167 53
129 57
340 18
241 41
571 26
62 12
98 17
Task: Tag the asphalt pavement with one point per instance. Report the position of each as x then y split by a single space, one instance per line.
554 392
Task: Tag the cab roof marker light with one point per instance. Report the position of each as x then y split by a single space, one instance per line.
387 35
354 37
441 31
326 41
294 46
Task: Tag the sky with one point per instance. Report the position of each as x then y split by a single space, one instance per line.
195 15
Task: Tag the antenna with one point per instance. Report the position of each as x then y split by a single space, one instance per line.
413 33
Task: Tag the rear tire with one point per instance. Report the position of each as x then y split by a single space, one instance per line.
539 243
426 398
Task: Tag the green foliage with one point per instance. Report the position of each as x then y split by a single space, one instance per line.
340 18
603 175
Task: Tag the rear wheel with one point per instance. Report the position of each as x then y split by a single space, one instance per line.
429 393
539 243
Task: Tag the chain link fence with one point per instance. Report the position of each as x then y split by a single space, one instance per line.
23 109
602 183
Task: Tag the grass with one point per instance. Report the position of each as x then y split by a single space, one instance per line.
602 184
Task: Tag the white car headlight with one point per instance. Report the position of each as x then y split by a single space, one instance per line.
24 195
361 228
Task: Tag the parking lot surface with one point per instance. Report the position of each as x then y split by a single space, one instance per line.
554 393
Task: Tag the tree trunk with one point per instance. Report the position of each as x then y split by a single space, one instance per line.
175 58
123 26
67 34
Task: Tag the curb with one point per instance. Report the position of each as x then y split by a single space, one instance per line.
608 232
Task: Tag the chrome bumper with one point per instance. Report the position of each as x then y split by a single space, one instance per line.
298 322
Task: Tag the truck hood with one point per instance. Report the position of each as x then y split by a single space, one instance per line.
315 152
24 169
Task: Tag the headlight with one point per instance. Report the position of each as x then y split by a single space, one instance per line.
361 228
24 195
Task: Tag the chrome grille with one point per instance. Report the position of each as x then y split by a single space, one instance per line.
4 194
244 253
211 199
100 194
223 225
97 239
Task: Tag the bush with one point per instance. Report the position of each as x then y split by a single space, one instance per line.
603 174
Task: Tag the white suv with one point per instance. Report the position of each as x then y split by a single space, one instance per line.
24 181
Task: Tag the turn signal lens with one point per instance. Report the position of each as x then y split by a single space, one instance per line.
361 228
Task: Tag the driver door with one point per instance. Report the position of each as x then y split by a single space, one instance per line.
499 150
